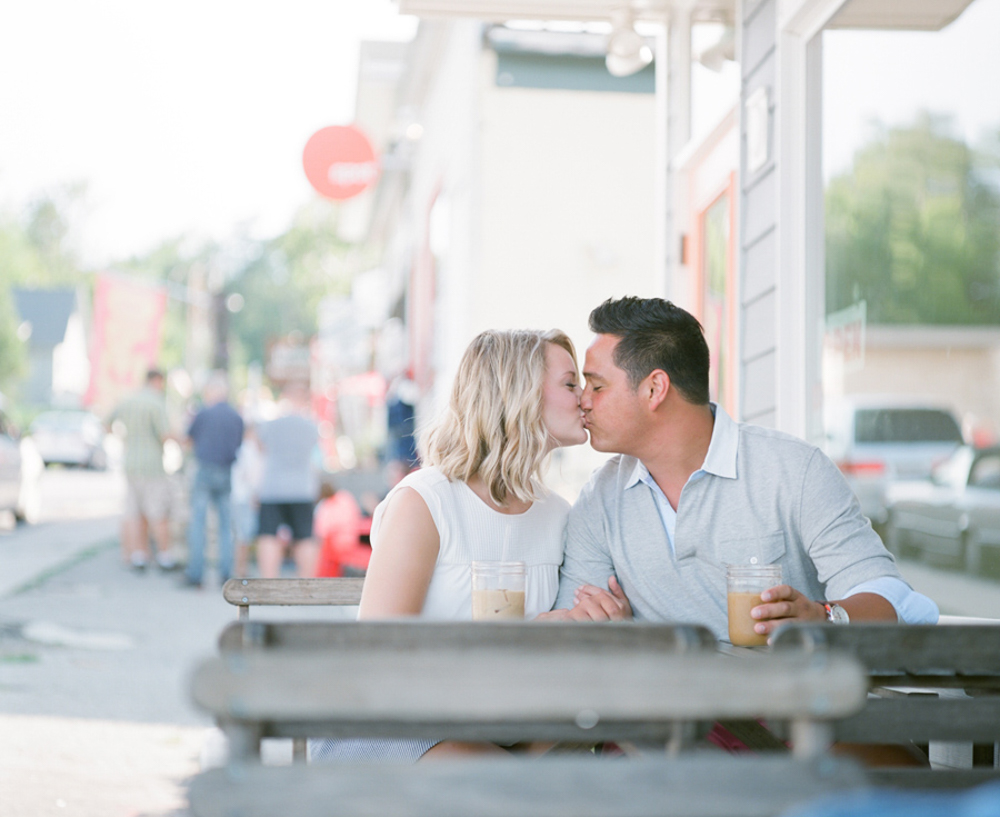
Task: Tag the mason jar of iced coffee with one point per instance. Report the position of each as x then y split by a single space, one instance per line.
744 584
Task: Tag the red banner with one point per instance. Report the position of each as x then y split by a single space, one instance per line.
125 342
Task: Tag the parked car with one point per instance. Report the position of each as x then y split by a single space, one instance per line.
954 516
70 437
876 441
20 472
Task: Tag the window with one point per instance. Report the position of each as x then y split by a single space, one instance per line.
906 426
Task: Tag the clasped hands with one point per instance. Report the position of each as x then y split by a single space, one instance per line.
782 604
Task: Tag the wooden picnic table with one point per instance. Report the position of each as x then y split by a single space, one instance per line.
928 683
517 681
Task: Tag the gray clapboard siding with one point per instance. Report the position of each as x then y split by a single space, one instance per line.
760 203
758 222
760 260
759 26
759 319
759 388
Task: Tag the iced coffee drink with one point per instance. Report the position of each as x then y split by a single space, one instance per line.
497 591
744 584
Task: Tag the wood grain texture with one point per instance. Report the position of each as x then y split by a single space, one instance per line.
932 651
415 634
464 677
293 592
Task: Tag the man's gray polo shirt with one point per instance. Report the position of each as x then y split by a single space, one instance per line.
763 497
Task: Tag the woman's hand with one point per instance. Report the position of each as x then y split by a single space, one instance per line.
596 604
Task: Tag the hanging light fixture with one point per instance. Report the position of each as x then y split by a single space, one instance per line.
627 50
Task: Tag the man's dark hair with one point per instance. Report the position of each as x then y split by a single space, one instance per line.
153 374
655 334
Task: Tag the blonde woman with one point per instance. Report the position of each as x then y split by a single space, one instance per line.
479 496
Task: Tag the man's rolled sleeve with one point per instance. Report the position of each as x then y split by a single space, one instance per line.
839 540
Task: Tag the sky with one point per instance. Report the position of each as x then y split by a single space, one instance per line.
187 117
190 117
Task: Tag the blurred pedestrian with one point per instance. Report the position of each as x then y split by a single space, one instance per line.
216 433
337 527
289 485
144 418
247 472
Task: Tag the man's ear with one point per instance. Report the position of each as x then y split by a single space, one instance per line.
655 388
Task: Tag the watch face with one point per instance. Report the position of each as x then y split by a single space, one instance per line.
838 615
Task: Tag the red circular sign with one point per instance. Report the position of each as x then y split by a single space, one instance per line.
340 162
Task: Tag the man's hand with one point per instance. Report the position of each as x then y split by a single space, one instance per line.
782 605
595 604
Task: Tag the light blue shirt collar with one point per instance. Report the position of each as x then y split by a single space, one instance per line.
720 461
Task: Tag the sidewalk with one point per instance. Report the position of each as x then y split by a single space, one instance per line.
95 711
30 553
95 660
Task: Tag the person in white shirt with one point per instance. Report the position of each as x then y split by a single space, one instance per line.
478 496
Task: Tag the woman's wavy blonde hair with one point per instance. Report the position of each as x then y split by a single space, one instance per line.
493 424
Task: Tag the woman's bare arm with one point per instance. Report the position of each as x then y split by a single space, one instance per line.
403 561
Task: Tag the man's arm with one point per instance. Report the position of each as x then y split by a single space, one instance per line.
785 604
850 560
587 566
586 555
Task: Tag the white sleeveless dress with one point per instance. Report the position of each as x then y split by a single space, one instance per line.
469 531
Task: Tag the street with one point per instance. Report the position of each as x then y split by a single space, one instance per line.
94 661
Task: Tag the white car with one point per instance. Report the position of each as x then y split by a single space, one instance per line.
70 437
20 473
876 441
954 516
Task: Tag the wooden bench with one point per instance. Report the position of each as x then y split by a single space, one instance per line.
503 682
689 786
917 674
311 636
245 593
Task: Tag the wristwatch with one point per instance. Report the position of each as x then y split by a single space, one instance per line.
836 614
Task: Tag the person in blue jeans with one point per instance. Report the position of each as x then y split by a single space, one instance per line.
216 433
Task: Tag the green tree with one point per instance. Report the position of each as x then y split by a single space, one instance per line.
283 283
914 229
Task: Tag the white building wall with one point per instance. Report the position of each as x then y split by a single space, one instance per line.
443 182
567 206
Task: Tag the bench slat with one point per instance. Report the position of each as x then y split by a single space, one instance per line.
558 787
354 690
931 650
921 719
293 592
406 636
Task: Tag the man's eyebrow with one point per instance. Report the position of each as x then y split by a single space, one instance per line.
592 376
